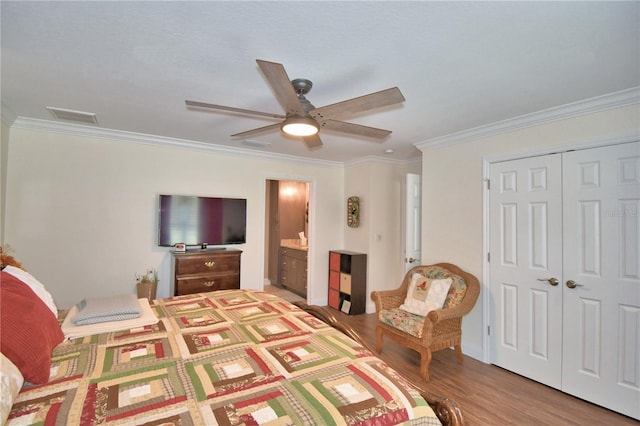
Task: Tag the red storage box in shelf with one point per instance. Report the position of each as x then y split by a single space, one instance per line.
334 280
334 299
334 261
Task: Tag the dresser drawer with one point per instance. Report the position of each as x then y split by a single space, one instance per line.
298 254
204 284
207 264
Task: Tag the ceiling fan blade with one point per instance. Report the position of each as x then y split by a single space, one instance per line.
258 130
312 141
281 85
359 104
356 129
232 109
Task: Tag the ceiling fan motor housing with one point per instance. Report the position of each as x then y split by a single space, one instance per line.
302 85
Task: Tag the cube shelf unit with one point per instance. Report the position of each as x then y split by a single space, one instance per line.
348 281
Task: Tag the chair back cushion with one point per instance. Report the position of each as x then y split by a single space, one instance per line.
458 284
425 294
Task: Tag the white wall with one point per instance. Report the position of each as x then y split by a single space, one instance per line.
452 205
4 151
380 186
81 210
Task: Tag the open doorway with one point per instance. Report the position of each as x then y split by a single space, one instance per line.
286 242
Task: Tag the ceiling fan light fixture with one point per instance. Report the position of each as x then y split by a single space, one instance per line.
299 126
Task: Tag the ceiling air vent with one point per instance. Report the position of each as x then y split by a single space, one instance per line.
255 143
70 115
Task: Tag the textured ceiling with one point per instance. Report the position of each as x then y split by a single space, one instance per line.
459 64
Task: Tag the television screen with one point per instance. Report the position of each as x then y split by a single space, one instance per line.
201 220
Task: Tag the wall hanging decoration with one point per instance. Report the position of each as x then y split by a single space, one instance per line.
353 212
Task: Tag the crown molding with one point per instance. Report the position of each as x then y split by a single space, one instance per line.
609 101
166 142
382 160
160 141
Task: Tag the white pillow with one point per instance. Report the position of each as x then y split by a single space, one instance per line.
425 294
11 381
34 285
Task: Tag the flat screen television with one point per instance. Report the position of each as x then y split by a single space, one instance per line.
193 220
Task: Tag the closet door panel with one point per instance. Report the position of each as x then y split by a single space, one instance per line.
601 345
526 256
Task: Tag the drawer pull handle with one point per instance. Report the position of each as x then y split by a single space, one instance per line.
209 264
209 283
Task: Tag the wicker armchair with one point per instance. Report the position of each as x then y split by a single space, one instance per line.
441 328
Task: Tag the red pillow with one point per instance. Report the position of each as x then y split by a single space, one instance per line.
29 329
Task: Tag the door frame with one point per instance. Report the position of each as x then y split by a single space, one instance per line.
486 168
312 227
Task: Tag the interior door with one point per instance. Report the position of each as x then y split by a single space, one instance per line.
601 361
413 220
525 267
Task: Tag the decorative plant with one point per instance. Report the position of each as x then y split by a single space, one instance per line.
151 276
6 258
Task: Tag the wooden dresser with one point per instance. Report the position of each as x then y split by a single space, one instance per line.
206 270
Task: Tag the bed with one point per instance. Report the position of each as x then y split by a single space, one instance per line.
232 357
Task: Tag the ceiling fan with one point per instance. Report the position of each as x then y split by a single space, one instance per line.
304 120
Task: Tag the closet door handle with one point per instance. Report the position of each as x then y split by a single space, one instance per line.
553 281
573 284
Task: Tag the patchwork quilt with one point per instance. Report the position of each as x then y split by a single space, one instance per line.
232 357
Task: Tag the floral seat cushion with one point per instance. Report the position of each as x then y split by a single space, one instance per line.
402 320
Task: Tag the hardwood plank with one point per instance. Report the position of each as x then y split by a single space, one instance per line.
487 394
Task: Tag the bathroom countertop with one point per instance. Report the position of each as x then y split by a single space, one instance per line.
293 244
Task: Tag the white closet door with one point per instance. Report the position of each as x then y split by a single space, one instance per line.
601 361
526 258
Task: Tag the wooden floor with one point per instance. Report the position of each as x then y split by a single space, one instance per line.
488 395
